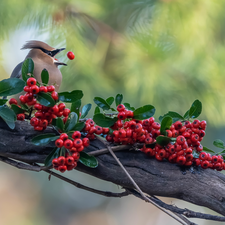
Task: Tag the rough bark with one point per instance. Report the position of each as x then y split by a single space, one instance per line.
201 187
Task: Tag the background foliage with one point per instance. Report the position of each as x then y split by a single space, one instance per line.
166 53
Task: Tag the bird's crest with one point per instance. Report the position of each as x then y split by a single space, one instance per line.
37 44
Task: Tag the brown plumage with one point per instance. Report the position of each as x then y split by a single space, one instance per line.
43 56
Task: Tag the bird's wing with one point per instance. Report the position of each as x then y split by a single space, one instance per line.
16 73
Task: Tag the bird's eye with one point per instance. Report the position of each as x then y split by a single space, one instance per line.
49 53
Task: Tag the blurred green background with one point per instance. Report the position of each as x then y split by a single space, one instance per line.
161 52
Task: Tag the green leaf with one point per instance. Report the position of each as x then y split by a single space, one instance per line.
7 114
88 160
70 97
175 116
127 105
53 154
97 110
219 143
162 140
44 77
24 107
101 103
44 139
75 107
3 101
208 150
71 121
110 100
144 112
59 124
104 121
17 109
45 99
85 110
186 115
166 124
11 86
119 99
196 109
79 126
27 68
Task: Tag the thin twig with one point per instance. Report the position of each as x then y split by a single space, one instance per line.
135 184
78 185
19 165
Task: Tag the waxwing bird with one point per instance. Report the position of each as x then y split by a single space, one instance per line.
43 57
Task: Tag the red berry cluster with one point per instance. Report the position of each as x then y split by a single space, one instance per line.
206 160
73 145
188 137
91 129
44 115
32 89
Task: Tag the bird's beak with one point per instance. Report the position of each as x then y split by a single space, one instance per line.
56 61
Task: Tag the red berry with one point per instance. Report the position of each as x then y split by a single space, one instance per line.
121 115
76 156
201 133
151 120
31 81
20 116
13 101
156 125
59 143
105 130
98 130
28 97
34 89
34 121
203 124
129 114
62 169
182 129
80 149
76 135
61 160
54 109
120 108
66 112
196 123
38 106
138 127
194 137
43 89
26 89
55 95
55 162
189 157
50 88
63 136
61 106
91 122
158 157
199 148
181 160
69 160
187 124
87 127
38 128
203 156
43 123
178 125
71 167
205 164
180 140
132 124
169 133
77 143
162 153
109 138
175 133
86 142
70 55
214 159
22 99
68 144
